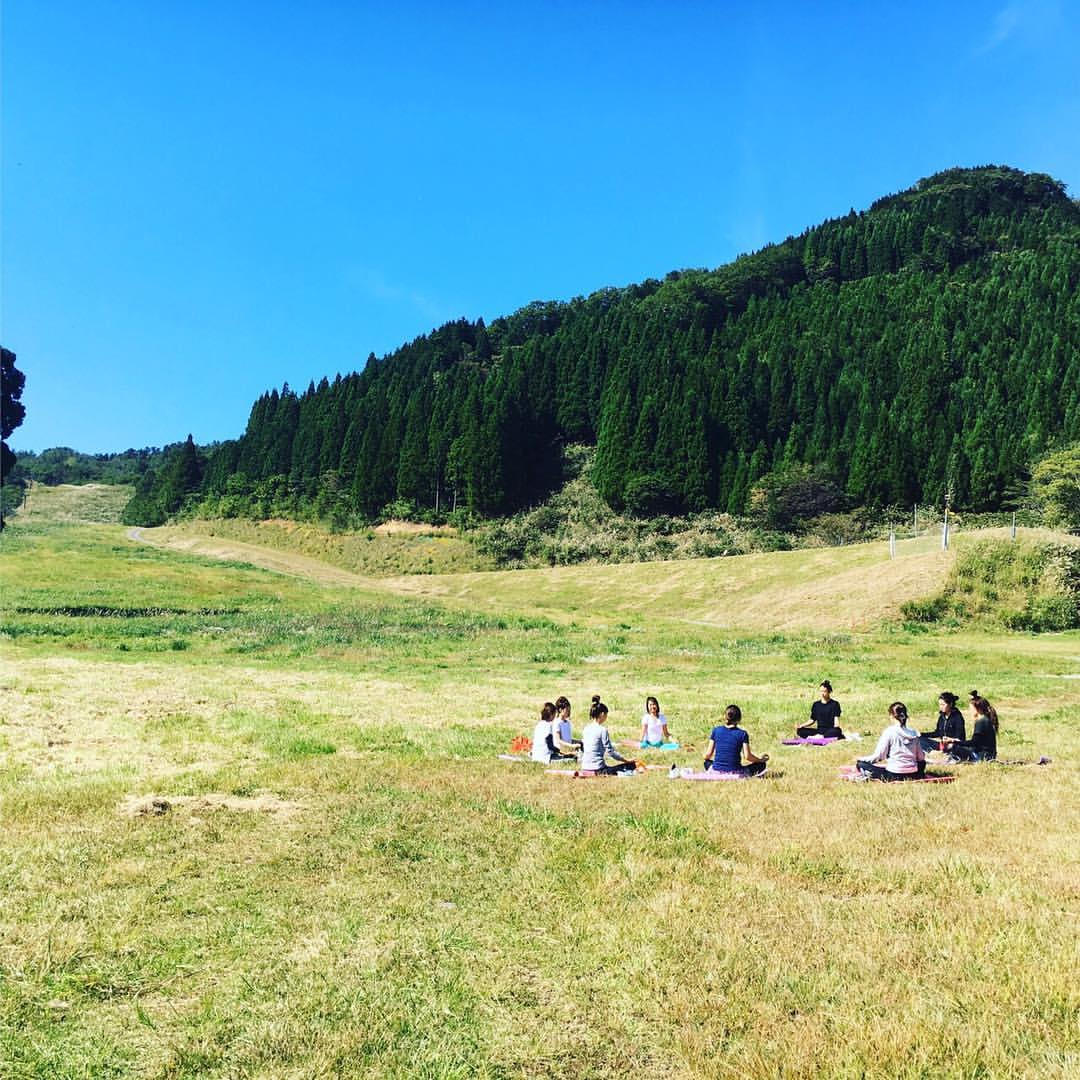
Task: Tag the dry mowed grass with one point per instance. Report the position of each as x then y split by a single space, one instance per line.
74 503
253 825
392 548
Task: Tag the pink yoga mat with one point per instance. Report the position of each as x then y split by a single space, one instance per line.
814 740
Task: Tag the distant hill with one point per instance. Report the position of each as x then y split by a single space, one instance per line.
63 465
929 343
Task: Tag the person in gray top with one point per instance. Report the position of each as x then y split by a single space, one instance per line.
898 748
596 745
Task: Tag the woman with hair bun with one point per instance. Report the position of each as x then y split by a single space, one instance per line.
824 716
597 746
950 723
899 750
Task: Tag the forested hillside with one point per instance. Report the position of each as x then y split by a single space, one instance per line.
63 465
930 343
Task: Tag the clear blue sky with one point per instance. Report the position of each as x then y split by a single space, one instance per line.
203 199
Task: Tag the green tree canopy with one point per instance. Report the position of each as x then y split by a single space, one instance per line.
1055 483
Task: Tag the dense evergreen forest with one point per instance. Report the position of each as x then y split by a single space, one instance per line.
928 345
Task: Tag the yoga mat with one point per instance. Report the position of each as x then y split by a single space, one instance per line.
849 772
689 774
813 740
587 774
631 744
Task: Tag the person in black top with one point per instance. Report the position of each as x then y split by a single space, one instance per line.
982 746
824 714
950 723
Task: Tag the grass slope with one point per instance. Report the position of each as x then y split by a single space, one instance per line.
342 880
382 551
74 503
857 586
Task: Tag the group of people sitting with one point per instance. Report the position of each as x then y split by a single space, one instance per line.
900 753
553 737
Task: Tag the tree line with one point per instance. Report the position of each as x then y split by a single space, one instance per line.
64 465
927 345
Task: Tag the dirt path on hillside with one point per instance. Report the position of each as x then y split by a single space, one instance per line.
267 558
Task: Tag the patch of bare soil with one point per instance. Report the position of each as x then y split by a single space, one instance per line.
262 802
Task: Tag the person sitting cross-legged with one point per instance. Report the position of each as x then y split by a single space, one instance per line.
596 745
982 746
949 727
545 748
824 717
898 754
728 744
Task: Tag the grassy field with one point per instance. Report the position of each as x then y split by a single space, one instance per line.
253 825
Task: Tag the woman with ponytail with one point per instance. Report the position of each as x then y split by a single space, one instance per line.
898 750
597 746
982 746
